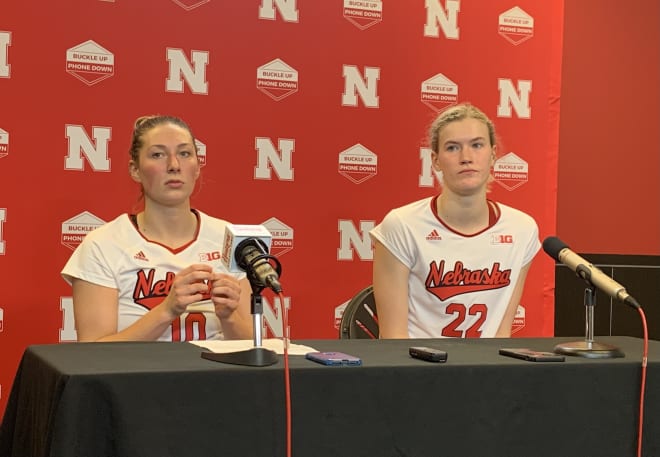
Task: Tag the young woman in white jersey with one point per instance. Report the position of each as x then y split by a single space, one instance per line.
453 265
156 275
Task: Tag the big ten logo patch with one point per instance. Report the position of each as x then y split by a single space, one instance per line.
210 256
498 238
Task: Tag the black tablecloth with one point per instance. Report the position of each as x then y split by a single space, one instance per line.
163 399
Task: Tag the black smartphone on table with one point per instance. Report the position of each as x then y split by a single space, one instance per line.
428 354
532 355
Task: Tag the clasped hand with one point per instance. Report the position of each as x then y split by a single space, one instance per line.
197 282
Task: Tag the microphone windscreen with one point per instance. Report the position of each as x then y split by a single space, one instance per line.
234 235
553 246
247 247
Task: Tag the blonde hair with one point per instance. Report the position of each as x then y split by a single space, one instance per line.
458 113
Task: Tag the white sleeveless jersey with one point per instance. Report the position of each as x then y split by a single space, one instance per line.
459 285
116 255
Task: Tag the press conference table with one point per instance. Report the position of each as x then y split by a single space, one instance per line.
163 399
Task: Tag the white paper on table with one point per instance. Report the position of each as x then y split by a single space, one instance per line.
274 344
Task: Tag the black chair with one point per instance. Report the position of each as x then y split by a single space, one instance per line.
360 319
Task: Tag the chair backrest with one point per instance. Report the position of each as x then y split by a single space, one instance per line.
360 319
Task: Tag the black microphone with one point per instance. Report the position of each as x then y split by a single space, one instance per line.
560 251
252 256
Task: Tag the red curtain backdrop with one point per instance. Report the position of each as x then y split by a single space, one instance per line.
312 119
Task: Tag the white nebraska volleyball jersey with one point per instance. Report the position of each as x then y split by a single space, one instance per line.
116 255
459 285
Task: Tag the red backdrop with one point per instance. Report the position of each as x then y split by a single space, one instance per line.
312 117
609 193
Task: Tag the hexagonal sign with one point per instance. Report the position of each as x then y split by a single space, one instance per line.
439 92
339 312
201 152
90 62
510 171
282 241
515 25
190 4
518 320
277 79
4 143
358 163
363 13
75 229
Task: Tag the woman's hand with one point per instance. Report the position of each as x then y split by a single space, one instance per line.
190 285
225 293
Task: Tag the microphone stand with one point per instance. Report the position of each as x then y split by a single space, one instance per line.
256 356
588 348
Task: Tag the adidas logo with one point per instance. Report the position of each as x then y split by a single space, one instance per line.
140 256
433 236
